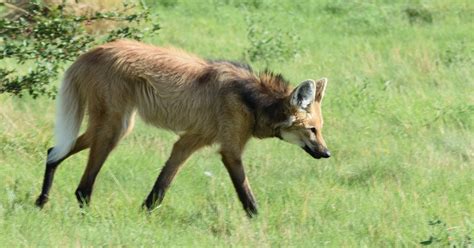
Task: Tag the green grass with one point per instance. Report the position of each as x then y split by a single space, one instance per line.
399 120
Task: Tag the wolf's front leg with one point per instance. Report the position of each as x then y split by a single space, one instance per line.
234 166
182 149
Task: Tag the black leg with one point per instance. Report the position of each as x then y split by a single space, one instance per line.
47 181
182 149
157 194
242 187
81 143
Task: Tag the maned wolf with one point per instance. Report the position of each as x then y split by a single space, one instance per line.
203 101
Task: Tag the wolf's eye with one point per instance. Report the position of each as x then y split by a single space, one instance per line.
313 129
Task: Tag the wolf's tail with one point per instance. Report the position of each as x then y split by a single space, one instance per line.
69 115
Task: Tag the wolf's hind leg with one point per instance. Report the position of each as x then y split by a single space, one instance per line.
82 143
107 130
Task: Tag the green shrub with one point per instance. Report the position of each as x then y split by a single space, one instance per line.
44 37
418 15
268 44
442 235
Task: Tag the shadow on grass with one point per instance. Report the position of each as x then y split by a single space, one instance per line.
371 174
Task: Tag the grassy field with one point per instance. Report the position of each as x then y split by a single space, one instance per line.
399 121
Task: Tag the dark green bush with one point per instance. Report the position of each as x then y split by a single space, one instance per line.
267 44
43 38
418 15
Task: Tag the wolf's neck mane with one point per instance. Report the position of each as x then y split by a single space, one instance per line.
266 97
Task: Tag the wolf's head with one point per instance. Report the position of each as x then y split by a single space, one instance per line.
304 125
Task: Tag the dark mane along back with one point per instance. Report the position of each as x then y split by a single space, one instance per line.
262 92
237 64
274 83
265 95
269 82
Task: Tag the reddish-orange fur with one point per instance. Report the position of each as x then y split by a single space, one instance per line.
205 102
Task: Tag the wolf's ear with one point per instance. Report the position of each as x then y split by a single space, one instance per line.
320 88
303 95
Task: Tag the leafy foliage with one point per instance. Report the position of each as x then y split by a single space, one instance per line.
269 44
360 18
418 15
45 37
446 236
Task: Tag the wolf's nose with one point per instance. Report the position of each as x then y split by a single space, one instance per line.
326 154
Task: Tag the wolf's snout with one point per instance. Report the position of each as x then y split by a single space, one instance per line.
315 153
326 153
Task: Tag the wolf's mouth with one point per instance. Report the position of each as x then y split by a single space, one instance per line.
317 154
311 152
